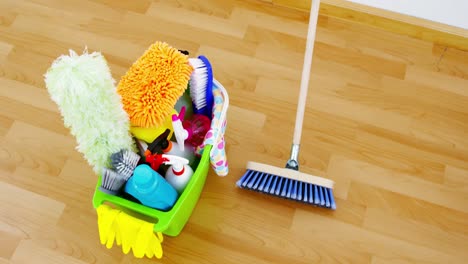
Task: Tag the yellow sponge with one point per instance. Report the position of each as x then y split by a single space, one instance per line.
151 133
153 84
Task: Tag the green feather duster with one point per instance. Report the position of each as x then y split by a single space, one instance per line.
84 90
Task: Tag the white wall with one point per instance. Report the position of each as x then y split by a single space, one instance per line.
451 12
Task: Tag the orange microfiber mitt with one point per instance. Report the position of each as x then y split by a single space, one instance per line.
153 84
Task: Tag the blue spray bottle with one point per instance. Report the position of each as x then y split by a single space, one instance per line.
151 189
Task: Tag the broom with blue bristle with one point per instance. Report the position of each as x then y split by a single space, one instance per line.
288 182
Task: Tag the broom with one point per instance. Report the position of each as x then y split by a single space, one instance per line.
288 182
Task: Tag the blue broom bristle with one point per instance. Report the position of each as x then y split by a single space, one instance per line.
287 188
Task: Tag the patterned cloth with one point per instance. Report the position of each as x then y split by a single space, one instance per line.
215 136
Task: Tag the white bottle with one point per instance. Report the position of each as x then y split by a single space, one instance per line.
179 173
188 152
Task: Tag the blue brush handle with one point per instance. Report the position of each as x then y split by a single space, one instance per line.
208 109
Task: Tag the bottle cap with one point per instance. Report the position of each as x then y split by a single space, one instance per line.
144 179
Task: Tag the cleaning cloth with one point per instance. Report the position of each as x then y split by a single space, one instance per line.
215 136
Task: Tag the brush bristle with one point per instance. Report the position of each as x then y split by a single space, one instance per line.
198 83
201 86
288 188
111 181
124 162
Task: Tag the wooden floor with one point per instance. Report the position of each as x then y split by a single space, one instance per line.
386 119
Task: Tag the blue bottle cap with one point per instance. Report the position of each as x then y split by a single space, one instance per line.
151 189
144 179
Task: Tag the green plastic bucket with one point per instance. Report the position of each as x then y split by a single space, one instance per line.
173 221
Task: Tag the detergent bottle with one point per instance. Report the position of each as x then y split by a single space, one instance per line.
151 189
179 173
185 101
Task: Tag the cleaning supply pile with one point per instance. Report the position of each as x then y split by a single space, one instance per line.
144 136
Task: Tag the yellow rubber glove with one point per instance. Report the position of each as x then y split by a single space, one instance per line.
106 224
143 239
128 232
157 245
129 228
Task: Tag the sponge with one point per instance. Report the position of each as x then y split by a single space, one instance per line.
151 133
153 84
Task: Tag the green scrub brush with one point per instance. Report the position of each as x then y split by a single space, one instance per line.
84 90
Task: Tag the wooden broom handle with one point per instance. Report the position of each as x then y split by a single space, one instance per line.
314 10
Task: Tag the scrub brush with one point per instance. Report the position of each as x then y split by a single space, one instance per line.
153 84
111 181
201 86
124 162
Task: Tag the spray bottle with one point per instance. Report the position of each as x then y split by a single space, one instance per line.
181 148
188 153
189 134
179 173
181 134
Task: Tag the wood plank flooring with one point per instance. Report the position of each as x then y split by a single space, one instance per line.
386 119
